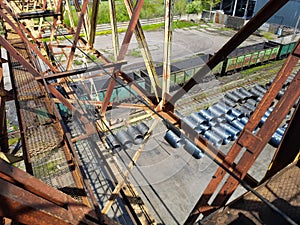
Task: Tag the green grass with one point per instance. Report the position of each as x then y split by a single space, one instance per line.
268 35
259 68
12 141
135 53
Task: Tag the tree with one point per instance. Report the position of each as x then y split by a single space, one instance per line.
194 7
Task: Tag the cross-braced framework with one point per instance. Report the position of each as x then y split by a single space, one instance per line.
43 55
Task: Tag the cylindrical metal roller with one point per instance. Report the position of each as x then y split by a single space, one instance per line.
280 130
263 120
198 118
221 132
249 106
260 88
202 128
206 114
213 122
221 119
252 102
223 107
189 121
174 140
124 138
237 124
135 134
259 99
143 128
229 117
256 93
215 111
245 110
280 94
228 102
231 130
213 138
232 97
240 94
193 149
244 120
113 143
246 92
275 140
268 112
236 113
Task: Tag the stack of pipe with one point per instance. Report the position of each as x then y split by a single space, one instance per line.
177 141
125 138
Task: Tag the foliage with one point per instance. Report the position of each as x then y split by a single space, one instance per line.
194 7
151 9
182 24
210 4
179 7
12 141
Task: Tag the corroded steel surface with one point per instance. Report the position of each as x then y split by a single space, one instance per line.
282 190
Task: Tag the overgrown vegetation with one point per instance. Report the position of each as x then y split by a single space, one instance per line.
12 141
151 9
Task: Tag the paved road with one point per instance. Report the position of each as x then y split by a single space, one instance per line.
186 42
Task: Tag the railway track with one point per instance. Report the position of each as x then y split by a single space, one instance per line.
204 98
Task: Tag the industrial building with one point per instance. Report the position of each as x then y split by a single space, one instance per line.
186 141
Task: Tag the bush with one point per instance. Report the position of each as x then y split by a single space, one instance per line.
194 7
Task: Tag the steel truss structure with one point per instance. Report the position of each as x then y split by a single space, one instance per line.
35 47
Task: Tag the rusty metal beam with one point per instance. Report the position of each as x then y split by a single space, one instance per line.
79 71
264 134
114 28
27 200
132 24
23 28
26 156
289 147
122 53
57 10
245 138
25 40
36 14
14 53
71 19
88 125
262 16
95 10
112 104
4 147
169 5
77 33
140 37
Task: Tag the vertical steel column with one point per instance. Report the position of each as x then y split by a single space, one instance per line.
262 16
140 37
114 28
95 11
132 24
77 33
3 129
121 56
169 5
57 10
71 18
